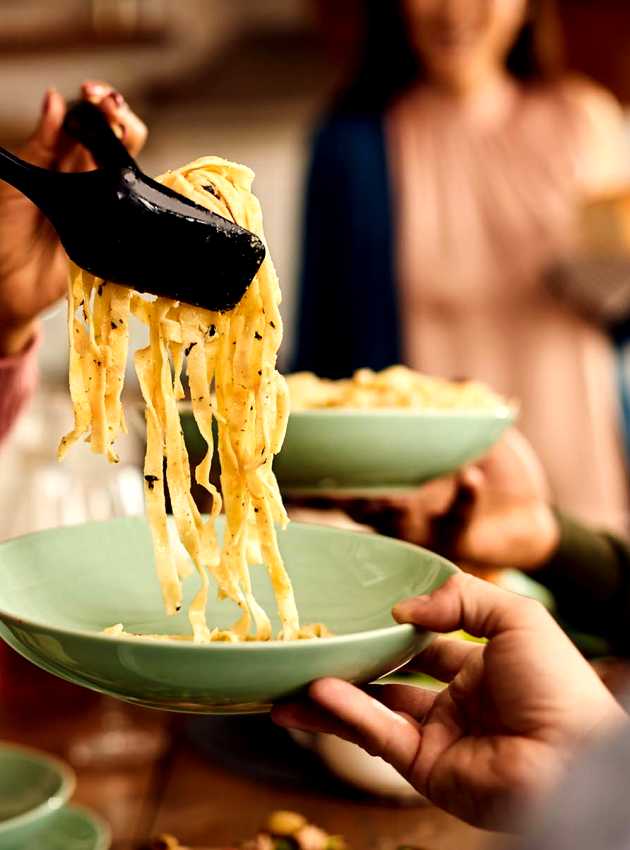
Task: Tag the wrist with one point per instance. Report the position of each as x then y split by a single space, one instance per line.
15 337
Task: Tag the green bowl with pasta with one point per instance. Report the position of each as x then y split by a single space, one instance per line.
362 452
371 451
377 432
59 589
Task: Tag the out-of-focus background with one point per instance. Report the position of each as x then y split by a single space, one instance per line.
244 79
249 80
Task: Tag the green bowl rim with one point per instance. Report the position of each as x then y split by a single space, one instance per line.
103 829
247 646
55 802
500 414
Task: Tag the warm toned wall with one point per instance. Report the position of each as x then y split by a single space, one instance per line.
597 33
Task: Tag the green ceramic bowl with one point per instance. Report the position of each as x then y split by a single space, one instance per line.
60 588
33 788
354 450
74 828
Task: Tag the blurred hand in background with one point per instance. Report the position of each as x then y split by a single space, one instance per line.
492 515
33 265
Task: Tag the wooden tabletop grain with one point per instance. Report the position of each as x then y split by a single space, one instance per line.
166 785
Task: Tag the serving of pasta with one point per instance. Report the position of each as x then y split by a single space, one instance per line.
393 388
230 363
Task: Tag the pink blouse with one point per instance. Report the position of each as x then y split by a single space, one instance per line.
486 196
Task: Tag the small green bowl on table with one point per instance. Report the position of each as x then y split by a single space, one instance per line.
74 828
60 588
33 789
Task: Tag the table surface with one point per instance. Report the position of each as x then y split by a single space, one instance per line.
176 789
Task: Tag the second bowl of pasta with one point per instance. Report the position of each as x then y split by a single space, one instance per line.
392 430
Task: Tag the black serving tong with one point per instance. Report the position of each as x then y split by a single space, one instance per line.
122 226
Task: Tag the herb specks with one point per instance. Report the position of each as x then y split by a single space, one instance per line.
151 479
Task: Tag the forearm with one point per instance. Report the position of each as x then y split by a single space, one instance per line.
18 379
589 575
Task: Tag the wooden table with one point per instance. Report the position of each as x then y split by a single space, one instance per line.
175 789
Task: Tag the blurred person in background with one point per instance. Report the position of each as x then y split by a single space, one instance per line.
33 264
444 186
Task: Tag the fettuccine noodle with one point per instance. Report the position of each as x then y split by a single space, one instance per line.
394 388
234 351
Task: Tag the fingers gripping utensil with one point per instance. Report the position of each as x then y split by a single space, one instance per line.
122 226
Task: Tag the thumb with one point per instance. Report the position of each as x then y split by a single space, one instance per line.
468 603
42 147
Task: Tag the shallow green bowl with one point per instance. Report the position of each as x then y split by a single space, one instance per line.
381 450
74 828
60 588
33 788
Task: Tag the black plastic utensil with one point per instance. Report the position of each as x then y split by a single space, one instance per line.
122 226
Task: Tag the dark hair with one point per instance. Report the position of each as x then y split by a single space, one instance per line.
388 63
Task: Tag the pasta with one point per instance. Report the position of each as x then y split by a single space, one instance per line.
236 353
284 830
396 387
